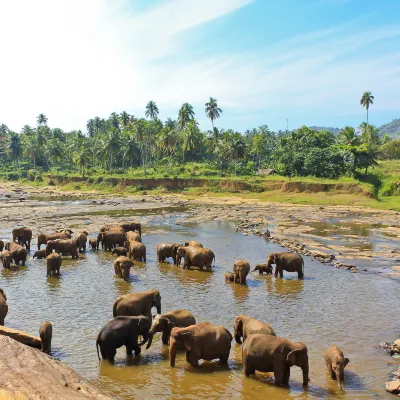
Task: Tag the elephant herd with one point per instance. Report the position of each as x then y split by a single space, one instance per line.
262 349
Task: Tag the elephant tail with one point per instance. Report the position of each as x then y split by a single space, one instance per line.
97 345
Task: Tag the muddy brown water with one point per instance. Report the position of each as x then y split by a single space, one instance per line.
330 306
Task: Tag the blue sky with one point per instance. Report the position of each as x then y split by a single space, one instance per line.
265 61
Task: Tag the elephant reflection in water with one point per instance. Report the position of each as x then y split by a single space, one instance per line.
185 276
240 292
284 287
122 287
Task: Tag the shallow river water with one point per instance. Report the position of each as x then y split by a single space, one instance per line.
330 306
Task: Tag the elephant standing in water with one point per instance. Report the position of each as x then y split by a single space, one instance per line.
63 247
166 322
139 303
194 243
46 334
43 238
131 226
267 353
136 250
133 236
3 306
122 267
23 236
245 326
6 258
286 261
166 250
1 245
123 331
203 341
81 240
335 363
54 261
241 269
196 256
18 253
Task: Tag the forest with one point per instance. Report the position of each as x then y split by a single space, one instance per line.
123 142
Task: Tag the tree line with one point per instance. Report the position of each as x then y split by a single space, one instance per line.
124 141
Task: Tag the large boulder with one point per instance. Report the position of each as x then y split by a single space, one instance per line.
27 373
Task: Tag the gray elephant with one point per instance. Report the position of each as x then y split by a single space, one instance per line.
44 238
134 236
111 239
63 247
6 258
81 240
119 251
3 306
46 334
203 341
245 326
194 243
131 226
93 243
336 363
139 303
137 251
241 269
1 245
261 268
166 250
122 267
122 331
196 256
18 253
39 254
267 353
286 261
54 261
166 322
23 236
229 276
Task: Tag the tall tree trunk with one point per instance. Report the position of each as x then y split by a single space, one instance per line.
367 114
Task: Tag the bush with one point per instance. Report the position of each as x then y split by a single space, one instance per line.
24 174
31 175
13 176
52 183
391 188
39 179
99 179
119 171
90 180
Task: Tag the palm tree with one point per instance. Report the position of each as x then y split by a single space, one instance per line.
348 136
369 134
152 110
191 138
125 119
81 158
15 147
114 121
41 120
91 128
167 141
366 100
212 110
4 131
186 114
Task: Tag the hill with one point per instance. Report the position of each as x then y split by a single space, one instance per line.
392 128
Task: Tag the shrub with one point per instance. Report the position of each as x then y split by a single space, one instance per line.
31 175
90 180
39 179
99 179
391 188
52 183
24 174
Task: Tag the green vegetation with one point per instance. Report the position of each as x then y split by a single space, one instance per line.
128 147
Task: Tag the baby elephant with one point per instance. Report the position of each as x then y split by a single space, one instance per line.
46 333
54 261
40 254
122 267
261 268
6 258
229 276
122 331
119 251
94 244
335 363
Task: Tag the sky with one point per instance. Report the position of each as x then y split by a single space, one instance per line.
301 62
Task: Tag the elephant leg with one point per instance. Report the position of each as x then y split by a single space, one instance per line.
188 356
137 350
278 374
248 369
111 355
193 360
276 271
128 350
223 359
286 376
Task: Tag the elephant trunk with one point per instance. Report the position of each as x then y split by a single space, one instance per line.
340 379
173 348
305 375
150 340
146 336
158 308
238 337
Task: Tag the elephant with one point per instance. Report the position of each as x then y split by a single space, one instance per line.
40 254
230 276
266 353
66 231
63 247
203 341
81 240
122 331
94 244
133 236
53 261
245 326
137 251
119 251
111 228
43 238
111 239
165 250
18 253
198 256
46 334
261 268
122 267
336 363
139 303
291 262
23 236
1 245
6 258
3 307
241 269
131 226
166 322
194 243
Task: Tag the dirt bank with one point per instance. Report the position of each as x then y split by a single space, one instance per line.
366 238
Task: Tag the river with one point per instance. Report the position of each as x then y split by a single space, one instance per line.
355 311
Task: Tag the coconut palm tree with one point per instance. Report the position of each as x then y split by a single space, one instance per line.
114 121
152 110
41 120
15 147
91 128
348 136
212 110
125 119
191 138
366 100
369 134
186 114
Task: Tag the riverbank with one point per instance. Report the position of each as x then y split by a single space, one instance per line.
343 236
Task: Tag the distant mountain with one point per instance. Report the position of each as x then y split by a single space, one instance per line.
335 131
392 128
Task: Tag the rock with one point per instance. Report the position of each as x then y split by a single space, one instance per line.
30 374
393 387
22 337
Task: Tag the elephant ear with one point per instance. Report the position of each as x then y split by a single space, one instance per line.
188 339
346 361
291 357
